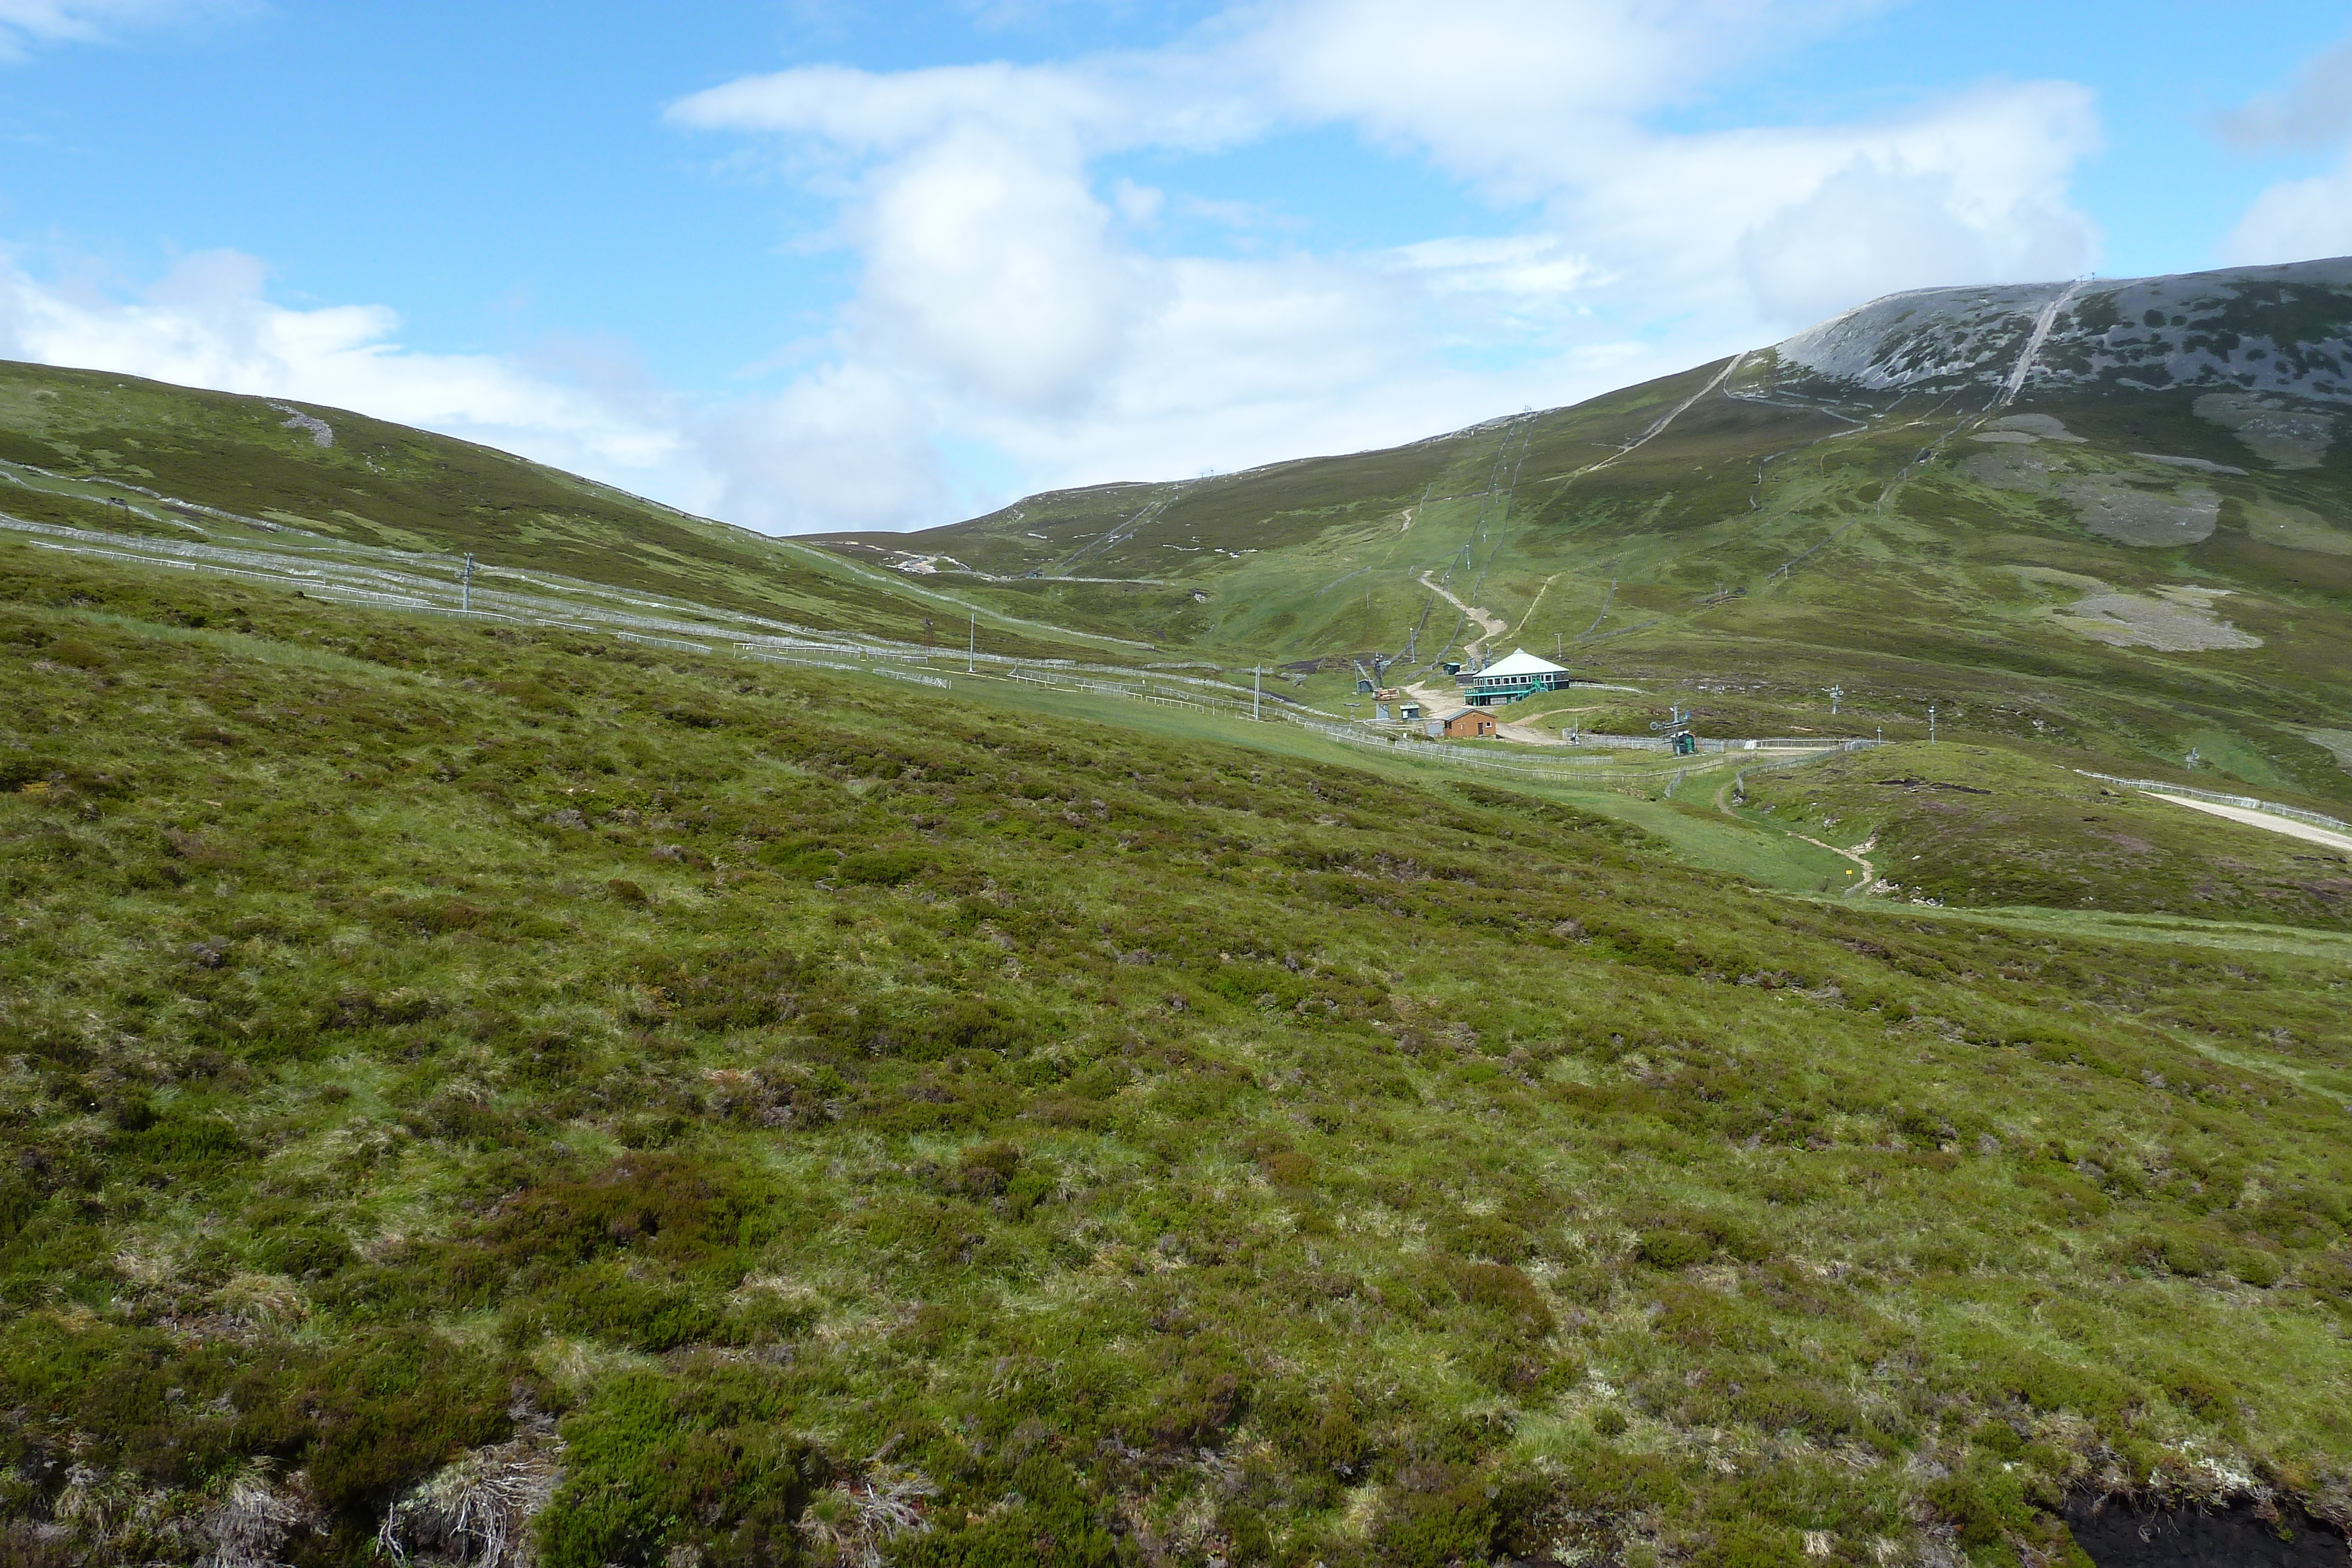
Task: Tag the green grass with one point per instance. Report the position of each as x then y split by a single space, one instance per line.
1684 831
381 486
756 1085
1944 588
1142 1135
1982 825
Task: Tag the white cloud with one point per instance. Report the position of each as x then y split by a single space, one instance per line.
2296 220
870 112
989 265
2311 217
1002 293
208 323
842 449
1526 96
1519 266
2314 112
27 23
1967 192
1553 102
1006 297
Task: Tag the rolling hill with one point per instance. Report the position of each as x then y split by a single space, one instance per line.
2115 514
96 451
627 1062
471 1089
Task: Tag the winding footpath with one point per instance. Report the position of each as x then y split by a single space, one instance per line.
1869 877
1490 624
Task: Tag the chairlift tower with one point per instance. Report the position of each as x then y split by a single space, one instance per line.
1677 732
1836 695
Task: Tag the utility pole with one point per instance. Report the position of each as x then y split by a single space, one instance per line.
466 586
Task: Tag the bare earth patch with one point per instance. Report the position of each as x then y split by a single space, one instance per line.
2116 511
2009 469
2111 505
2038 426
2336 743
2203 465
2172 621
2296 528
2281 436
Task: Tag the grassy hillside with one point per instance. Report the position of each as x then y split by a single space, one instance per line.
254 470
2137 557
701 1117
1985 826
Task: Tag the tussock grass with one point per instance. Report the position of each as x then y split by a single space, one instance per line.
869 1124
1973 824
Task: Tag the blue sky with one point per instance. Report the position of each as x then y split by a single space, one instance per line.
818 266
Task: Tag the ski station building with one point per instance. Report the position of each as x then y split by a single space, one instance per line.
1507 680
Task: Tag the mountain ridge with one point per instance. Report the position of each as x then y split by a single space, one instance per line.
2171 331
1976 336
75 445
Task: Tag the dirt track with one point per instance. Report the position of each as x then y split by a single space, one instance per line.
1490 624
1869 877
2308 833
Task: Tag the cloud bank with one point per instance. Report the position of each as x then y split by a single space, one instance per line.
25 23
1010 293
1025 312
2308 218
207 323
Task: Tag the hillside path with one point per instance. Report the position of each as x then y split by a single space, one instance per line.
1659 428
1436 701
1537 600
2033 342
1869 877
1490 623
2288 825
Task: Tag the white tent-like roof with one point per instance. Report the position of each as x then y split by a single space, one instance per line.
1523 663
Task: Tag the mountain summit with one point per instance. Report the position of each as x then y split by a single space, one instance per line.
2254 329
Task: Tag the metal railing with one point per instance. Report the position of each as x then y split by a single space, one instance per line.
1581 772
662 642
2243 803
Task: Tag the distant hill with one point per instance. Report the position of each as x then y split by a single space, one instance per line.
2273 331
2116 512
251 468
